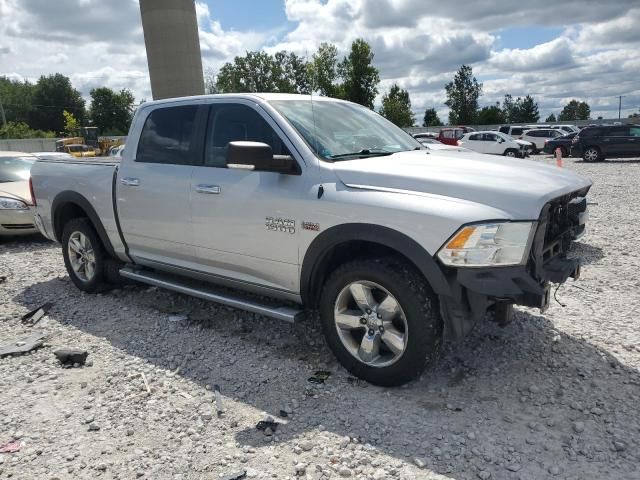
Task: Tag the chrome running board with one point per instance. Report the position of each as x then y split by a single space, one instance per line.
177 284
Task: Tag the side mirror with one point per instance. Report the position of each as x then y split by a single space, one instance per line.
259 157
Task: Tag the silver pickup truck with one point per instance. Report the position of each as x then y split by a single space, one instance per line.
280 203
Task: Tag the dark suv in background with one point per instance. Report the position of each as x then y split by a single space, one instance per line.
594 144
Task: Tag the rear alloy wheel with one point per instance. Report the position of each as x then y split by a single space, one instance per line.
83 255
591 154
381 320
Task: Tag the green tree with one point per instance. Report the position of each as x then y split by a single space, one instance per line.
112 111
15 130
431 118
260 72
575 110
251 73
52 95
396 107
17 99
462 96
360 78
323 70
291 73
210 81
71 124
551 119
520 110
492 115
528 110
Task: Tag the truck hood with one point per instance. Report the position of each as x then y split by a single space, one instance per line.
520 188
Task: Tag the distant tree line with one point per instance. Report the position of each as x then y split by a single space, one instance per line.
50 106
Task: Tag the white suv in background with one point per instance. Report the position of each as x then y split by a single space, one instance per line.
567 128
538 136
494 143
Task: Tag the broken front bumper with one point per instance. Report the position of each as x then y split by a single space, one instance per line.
516 284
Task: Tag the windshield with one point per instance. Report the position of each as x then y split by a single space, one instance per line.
15 169
344 130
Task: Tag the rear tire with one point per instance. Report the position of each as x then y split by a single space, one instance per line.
84 255
408 339
592 154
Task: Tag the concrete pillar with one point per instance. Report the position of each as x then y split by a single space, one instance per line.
173 47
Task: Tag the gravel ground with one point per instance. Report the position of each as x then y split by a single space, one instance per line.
549 396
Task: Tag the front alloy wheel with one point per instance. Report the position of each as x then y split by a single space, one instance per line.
370 323
381 319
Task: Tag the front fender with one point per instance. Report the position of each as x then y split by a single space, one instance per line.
324 243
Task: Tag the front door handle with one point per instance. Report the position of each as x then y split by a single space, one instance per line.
130 181
209 189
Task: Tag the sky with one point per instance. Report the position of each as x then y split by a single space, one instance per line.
555 51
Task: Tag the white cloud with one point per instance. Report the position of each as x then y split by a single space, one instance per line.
550 55
417 43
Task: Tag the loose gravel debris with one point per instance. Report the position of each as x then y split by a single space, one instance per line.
548 396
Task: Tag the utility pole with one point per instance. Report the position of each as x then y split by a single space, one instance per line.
620 105
4 118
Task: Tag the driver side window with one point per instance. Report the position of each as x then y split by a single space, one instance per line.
236 122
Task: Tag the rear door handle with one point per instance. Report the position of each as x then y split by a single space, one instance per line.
208 189
130 181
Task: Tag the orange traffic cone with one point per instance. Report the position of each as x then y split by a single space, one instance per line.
559 157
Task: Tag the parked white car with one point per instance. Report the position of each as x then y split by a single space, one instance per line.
494 143
567 128
538 136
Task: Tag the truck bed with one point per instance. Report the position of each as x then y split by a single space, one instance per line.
86 180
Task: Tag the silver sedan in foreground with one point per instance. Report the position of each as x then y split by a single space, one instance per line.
16 206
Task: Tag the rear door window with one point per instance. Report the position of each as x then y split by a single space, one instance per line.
475 137
168 136
447 134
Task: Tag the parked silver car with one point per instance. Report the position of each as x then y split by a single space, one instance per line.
16 207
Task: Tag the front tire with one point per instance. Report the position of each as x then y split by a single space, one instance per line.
382 320
83 255
510 153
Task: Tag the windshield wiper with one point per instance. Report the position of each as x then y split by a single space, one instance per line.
366 152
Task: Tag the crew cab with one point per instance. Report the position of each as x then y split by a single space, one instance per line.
316 204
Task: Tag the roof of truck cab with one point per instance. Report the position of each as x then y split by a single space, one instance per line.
250 96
